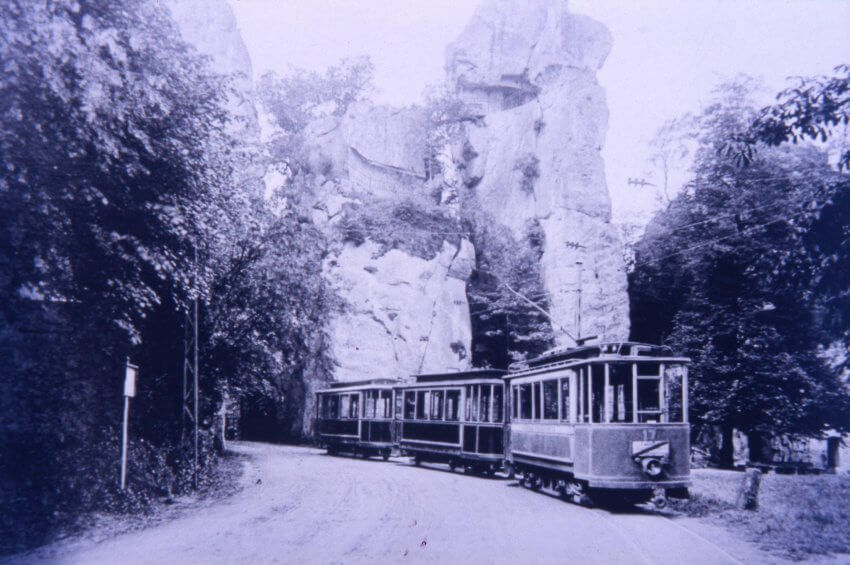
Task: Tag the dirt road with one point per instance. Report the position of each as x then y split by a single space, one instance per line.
302 506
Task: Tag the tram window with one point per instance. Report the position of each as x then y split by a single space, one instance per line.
452 405
409 405
674 393
598 392
514 402
371 401
386 404
649 369
620 379
550 400
498 402
649 408
537 401
399 405
484 404
565 400
525 402
584 411
472 403
345 406
421 403
355 406
437 405
334 407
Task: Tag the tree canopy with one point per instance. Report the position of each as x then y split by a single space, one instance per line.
740 273
122 198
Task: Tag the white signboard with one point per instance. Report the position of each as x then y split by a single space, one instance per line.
130 380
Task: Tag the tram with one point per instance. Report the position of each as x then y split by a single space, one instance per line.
454 418
605 422
357 417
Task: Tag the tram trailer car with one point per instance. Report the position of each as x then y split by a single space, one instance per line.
455 418
605 423
357 417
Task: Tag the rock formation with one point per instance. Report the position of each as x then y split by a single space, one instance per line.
405 308
211 28
527 69
528 155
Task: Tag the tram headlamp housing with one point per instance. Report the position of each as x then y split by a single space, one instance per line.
651 455
651 466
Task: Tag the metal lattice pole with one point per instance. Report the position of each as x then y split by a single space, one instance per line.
189 395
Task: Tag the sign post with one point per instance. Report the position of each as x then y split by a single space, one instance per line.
129 391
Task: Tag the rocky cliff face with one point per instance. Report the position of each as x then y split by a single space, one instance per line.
403 283
390 201
527 69
211 28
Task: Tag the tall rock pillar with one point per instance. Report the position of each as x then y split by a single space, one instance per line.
527 69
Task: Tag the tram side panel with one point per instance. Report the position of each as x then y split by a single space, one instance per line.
549 445
455 418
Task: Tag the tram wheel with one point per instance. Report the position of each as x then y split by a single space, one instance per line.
452 465
416 460
385 456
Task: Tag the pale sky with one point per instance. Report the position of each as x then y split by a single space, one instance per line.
667 54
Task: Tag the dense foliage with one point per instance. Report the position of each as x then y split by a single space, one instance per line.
744 273
816 108
120 202
505 326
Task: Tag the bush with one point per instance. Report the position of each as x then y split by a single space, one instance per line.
415 227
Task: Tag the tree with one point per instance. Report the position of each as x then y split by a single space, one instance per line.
301 96
119 203
669 148
726 275
505 328
812 110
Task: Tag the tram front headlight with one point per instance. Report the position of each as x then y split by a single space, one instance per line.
652 466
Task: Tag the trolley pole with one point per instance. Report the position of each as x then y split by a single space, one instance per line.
578 313
130 373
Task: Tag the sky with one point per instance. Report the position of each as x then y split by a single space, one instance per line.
667 55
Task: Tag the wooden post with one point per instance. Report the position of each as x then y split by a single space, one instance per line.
748 495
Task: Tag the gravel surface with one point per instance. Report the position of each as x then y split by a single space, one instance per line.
299 505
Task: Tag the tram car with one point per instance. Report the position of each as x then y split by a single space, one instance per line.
602 423
455 418
357 417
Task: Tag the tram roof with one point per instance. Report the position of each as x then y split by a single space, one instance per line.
378 383
461 375
606 350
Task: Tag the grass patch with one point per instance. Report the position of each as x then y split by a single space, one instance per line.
798 516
